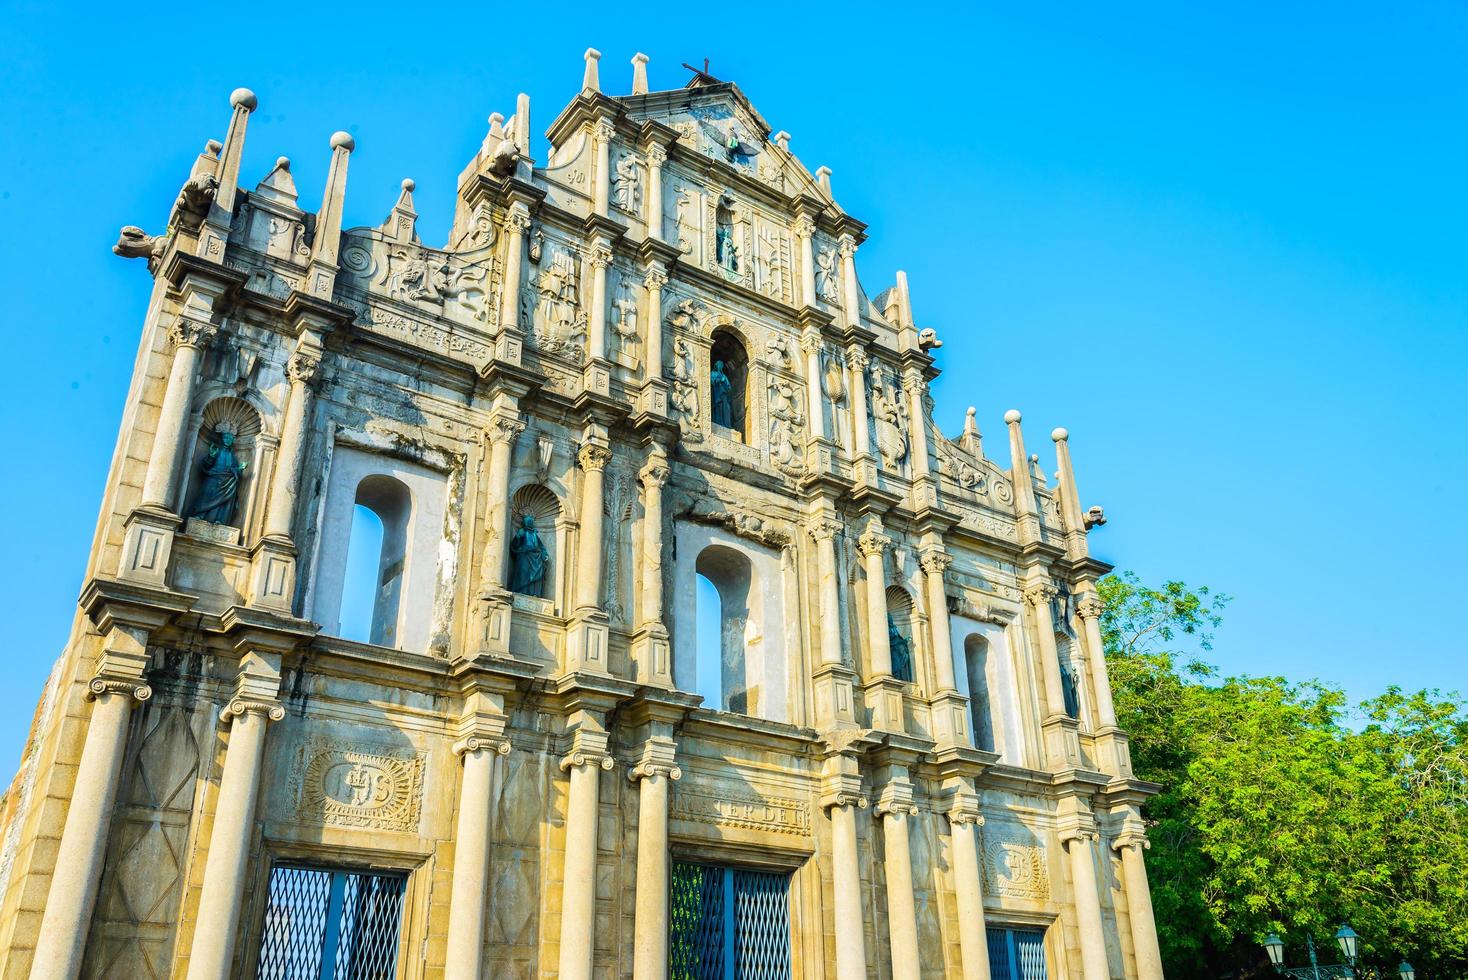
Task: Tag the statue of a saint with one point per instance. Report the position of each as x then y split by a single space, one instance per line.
901 652
1070 689
220 490
721 401
528 556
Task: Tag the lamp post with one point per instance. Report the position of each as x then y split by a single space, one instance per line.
1349 943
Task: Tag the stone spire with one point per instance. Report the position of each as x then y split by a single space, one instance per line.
639 73
321 276
972 439
590 80
278 185
401 222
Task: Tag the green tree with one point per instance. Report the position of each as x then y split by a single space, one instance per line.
1276 814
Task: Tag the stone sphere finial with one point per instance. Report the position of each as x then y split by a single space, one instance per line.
1059 435
243 98
343 141
409 184
1012 416
282 163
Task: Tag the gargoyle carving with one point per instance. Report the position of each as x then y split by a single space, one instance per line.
134 243
928 339
1094 517
502 161
194 199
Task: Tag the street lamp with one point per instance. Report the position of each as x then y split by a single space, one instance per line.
1406 971
1350 948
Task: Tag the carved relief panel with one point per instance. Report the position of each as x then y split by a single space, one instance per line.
343 785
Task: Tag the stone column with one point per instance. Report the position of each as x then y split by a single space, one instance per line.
217 924
650 926
964 822
914 385
1061 742
657 155
1089 607
300 369
1080 844
517 224
825 532
68 912
504 428
848 277
851 952
465 945
805 230
655 279
578 883
601 195
189 337
810 343
874 544
894 809
857 359
650 649
591 544
596 339
1139 904
935 562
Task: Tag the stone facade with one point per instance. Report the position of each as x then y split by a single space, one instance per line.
910 727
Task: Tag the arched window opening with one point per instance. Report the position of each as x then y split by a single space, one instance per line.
530 556
728 384
708 665
726 681
359 585
900 633
976 660
382 572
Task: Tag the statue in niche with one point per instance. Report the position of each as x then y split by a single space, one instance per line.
625 324
826 285
726 252
627 184
901 651
785 422
687 227
558 306
528 555
890 416
685 390
219 492
1069 689
721 396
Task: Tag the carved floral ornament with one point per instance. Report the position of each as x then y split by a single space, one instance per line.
302 365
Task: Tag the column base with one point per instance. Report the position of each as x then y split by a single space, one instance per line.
147 545
834 684
273 574
884 700
950 719
1062 742
652 656
586 642
1114 752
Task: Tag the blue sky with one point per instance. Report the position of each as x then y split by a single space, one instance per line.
1226 247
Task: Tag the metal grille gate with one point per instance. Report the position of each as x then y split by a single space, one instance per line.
330 925
1017 954
728 924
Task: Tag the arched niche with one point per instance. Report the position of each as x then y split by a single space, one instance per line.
900 617
985 673
377 554
977 668
729 356
537 502
237 422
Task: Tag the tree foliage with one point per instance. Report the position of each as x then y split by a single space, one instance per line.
1284 809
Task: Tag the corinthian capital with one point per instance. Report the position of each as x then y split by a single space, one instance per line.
873 543
858 359
847 246
605 130
1090 606
805 226
1040 594
593 457
935 561
518 221
825 530
657 154
914 385
655 279
302 366
505 427
601 256
654 475
186 332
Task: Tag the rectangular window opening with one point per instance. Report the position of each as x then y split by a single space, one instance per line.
728 924
1017 954
330 924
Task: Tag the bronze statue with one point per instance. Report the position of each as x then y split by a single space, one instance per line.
219 493
721 396
528 556
901 651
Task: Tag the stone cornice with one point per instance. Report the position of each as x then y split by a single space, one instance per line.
109 601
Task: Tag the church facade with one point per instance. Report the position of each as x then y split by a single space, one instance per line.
592 597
